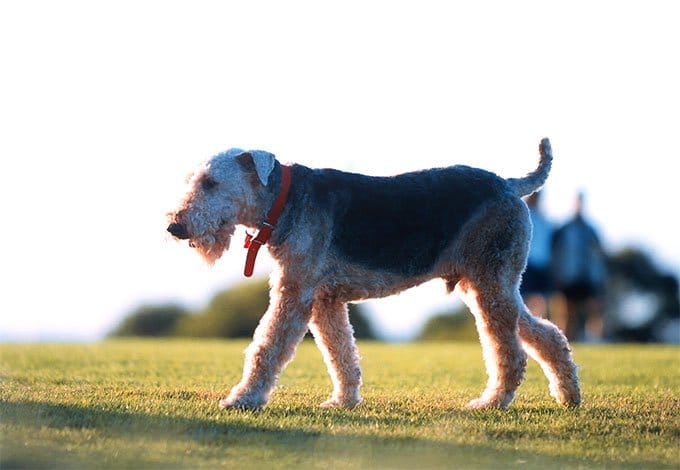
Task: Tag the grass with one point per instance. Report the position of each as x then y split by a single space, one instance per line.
154 404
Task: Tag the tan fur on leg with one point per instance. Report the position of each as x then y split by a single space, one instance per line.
496 321
544 342
274 343
334 336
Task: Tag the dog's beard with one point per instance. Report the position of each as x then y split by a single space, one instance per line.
211 246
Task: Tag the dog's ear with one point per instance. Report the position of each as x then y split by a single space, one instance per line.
260 161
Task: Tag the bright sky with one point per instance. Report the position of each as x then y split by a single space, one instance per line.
105 106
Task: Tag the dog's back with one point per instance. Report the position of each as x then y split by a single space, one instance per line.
402 223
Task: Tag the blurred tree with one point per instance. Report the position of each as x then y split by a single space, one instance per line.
236 312
362 327
636 266
151 320
643 301
456 324
232 313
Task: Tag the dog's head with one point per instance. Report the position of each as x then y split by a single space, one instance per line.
224 192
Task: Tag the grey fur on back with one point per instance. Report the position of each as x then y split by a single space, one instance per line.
399 224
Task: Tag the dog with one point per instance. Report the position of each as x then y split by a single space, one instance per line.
338 237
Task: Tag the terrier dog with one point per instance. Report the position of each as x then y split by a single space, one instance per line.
338 237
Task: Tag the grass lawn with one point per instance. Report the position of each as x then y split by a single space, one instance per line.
154 404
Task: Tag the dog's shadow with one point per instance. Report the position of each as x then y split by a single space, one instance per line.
237 434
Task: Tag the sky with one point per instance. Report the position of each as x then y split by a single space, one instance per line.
106 106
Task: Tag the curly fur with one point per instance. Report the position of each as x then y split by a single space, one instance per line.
344 237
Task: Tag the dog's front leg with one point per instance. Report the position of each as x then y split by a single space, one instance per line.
274 343
334 336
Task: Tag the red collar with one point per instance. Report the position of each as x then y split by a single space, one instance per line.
264 234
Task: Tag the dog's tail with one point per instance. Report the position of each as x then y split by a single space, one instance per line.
534 180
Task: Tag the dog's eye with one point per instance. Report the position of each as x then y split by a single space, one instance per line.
207 183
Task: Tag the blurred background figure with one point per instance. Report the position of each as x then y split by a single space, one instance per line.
580 274
537 284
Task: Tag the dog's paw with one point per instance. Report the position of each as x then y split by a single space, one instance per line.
241 403
480 404
348 403
497 402
492 398
567 395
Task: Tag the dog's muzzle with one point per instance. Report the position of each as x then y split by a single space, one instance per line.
178 231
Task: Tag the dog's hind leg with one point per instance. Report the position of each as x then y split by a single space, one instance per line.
274 343
334 336
496 313
544 342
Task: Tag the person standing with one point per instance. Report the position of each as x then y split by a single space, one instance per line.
580 274
537 284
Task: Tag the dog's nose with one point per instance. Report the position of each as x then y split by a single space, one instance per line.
179 231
